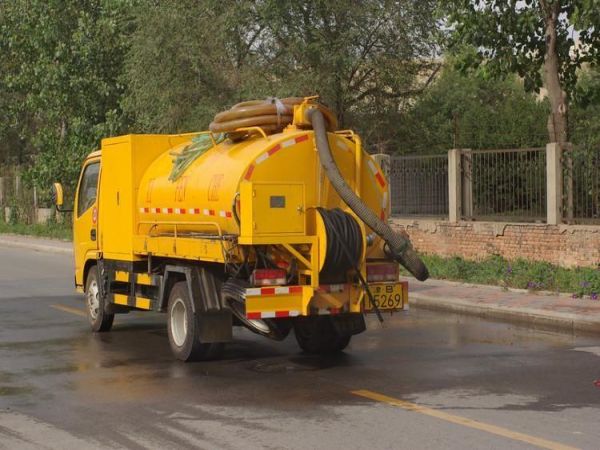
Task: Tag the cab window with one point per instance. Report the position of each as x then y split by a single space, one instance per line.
88 188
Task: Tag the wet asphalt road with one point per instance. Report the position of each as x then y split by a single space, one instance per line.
64 387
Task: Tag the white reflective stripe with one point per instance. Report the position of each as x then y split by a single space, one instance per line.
372 166
261 158
324 312
253 291
222 214
282 290
142 210
177 211
288 143
384 201
294 313
165 210
155 210
206 212
191 211
268 315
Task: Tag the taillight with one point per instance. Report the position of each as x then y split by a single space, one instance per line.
269 277
382 272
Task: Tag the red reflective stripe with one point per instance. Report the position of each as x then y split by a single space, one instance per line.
382 215
228 214
282 314
181 210
301 138
295 289
253 315
211 212
274 149
267 291
380 179
334 310
170 210
249 173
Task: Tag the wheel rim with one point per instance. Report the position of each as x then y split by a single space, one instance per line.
179 322
93 299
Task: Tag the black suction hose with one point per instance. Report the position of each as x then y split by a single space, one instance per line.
399 247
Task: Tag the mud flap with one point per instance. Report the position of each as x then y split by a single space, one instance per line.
215 326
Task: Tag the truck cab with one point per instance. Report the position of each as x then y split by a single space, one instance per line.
85 218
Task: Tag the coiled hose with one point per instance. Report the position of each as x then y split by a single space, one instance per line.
399 248
271 115
342 231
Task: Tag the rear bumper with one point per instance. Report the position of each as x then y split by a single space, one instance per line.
295 301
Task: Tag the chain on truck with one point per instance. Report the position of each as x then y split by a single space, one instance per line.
273 220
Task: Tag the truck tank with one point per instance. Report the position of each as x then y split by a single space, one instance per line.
284 165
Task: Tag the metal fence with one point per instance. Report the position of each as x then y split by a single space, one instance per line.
419 185
20 202
581 185
509 184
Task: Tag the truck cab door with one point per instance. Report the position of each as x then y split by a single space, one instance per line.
85 217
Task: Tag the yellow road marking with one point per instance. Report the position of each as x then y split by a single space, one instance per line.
500 431
68 309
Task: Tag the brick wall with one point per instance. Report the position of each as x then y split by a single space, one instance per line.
563 245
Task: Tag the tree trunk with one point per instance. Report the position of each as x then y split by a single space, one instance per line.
557 121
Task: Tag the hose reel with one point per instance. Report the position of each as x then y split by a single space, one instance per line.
341 230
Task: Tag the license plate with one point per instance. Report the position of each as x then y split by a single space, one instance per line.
387 296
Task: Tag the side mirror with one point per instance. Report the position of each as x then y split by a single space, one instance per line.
57 195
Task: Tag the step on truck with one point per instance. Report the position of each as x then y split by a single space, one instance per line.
273 220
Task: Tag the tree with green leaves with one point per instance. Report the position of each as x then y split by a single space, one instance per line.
367 60
543 41
468 110
189 60
63 63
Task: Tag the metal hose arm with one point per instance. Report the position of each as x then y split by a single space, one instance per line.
400 248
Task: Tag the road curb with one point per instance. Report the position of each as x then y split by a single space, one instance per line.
35 246
530 316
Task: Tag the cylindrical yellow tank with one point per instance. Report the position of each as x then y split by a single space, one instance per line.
204 193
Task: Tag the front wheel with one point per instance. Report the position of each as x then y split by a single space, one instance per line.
99 320
183 328
318 335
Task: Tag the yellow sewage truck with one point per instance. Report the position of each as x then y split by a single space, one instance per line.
273 220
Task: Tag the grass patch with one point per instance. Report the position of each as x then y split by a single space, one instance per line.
535 276
51 230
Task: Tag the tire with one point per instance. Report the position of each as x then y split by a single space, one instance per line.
318 336
233 295
183 330
100 321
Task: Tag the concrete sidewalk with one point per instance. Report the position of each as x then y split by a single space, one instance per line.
516 305
36 243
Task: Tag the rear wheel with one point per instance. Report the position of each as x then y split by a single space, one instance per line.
317 335
99 320
183 329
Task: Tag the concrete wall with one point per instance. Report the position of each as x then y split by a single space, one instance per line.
562 245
